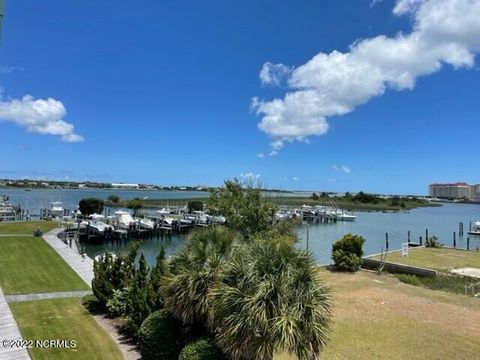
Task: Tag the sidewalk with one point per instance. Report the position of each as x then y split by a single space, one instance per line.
83 267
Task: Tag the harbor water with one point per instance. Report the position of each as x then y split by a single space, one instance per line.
440 221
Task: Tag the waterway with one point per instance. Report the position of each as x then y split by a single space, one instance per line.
440 221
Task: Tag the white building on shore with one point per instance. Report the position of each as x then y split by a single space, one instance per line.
125 186
455 191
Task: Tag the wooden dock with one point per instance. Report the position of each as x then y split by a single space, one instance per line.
9 331
82 265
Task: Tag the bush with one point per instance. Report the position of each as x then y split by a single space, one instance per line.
117 304
201 349
347 252
433 243
160 337
114 199
195 205
409 279
90 206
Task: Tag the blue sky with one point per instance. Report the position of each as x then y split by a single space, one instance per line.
161 92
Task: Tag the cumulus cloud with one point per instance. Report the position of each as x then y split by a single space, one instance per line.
274 74
295 178
260 155
342 168
249 176
39 116
334 84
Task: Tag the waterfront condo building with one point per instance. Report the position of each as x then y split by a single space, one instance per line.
454 191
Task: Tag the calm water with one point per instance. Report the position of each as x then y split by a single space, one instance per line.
37 199
440 221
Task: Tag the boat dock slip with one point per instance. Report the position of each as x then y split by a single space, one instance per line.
9 331
82 265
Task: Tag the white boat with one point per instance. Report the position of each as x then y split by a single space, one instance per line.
146 223
344 216
6 208
56 209
123 219
97 226
475 228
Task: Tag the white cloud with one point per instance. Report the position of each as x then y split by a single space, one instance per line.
260 155
331 180
342 168
39 116
250 176
333 84
10 69
274 74
375 2
295 178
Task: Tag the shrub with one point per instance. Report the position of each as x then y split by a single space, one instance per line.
90 206
117 304
160 337
114 199
201 349
433 243
409 279
347 252
92 304
195 205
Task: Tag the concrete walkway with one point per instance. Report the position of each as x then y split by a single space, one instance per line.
9 331
46 296
82 266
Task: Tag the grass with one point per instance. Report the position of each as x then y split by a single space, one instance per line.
30 265
26 227
64 319
442 259
379 317
454 284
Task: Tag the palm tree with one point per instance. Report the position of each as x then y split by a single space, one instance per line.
194 270
269 300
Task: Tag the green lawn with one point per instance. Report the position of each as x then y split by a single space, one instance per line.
64 319
378 317
26 227
442 259
30 265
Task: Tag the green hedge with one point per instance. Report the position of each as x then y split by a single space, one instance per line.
160 337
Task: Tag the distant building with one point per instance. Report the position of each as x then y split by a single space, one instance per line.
453 191
125 186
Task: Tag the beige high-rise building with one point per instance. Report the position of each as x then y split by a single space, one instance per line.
454 191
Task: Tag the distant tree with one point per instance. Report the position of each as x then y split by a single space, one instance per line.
114 199
90 206
314 196
244 207
348 195
195 205
135 205
324 195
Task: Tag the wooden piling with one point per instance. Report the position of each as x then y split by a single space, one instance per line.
454 239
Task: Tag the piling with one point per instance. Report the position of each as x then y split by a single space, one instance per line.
408 239
468 243
454 239
420 241
426 234
386 241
